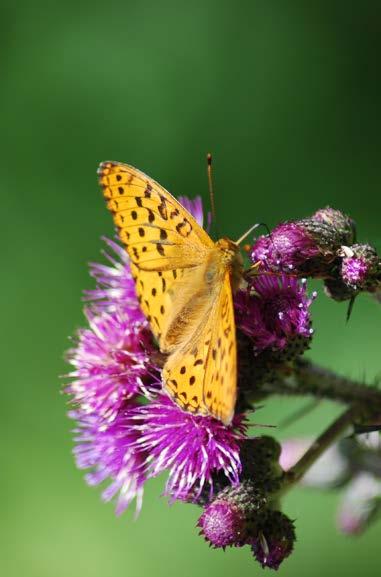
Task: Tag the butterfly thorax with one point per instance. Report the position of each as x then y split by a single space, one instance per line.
232 260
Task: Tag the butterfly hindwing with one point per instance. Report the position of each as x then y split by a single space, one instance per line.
220 388
201 375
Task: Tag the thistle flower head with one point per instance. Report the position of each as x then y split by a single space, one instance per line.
275 313
287 248
192 447
307 247
107 449
115 290
194 206
111 361
338 290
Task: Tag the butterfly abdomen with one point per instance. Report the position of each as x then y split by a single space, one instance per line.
190 303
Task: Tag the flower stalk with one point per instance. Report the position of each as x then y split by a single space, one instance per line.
310 379
330 436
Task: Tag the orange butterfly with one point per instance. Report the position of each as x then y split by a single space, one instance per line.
184 284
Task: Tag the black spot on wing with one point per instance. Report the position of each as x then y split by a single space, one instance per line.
160 249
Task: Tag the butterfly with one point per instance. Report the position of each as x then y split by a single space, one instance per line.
184 283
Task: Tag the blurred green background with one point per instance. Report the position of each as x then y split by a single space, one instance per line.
286 95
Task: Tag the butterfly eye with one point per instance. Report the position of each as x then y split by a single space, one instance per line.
210 275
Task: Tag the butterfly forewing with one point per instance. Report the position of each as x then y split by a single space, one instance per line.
156 230
153 289
191 316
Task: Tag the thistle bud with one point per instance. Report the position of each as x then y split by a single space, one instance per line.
260 461
337 290
232 519
341 225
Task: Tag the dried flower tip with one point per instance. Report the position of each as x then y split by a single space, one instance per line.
275 540
361 267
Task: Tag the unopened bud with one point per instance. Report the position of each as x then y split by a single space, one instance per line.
232 518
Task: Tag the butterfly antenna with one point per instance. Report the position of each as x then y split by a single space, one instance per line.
210 184
241 238
251 230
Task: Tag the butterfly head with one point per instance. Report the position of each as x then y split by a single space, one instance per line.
232 259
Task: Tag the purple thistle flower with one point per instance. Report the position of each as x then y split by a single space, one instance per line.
276 312
354 271
111 361
288 247
194 206
192 447
108 449
115 288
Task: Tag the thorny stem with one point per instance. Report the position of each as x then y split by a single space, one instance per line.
325 440
307 378
310 379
